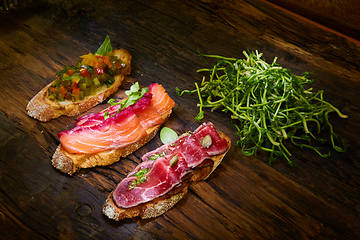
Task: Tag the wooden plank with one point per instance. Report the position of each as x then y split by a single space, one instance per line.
343 16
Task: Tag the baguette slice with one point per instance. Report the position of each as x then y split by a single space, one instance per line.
69 162
163 203
43 109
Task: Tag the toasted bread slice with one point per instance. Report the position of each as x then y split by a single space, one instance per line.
43 109
162 204
69 162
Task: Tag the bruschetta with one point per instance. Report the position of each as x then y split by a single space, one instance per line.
100 139
82 86
165 174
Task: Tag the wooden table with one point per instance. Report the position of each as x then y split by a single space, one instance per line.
244 198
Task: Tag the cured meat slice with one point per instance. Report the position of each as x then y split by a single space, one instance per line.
188 145
192 150
158 176
159 180
161 101
118 131
217 145
164 150
147 164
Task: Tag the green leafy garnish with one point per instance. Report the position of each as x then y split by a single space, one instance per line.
268 105
156 156
167 135
134 94
105 47
140 178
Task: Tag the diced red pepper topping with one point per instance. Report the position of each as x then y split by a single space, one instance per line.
106 60
84 72
74 85
71 71
99 63
62 90
99 71
118 65
76 91
68 96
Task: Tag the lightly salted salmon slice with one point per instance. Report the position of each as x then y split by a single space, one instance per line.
114 132
161 101
93 133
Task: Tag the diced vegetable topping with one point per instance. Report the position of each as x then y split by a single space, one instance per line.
87 76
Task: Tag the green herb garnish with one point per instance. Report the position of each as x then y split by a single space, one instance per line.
105 47
134 94
156 156
173 160
167 135
267 105
140 178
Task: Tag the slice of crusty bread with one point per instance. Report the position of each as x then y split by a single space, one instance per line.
70 162
162 204
43 109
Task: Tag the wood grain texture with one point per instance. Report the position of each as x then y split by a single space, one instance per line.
343 16
244 198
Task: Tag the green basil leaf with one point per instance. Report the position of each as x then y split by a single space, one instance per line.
167 135
134 94
105 47
133 89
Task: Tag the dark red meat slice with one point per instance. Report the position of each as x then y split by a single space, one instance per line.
160 179
192 150
188 145
147 164
218 146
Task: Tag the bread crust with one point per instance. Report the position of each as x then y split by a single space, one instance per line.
41 108
69 162
162 204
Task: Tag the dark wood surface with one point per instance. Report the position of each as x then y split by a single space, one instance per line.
244 198
342 16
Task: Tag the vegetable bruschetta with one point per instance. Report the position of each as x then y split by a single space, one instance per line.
79 87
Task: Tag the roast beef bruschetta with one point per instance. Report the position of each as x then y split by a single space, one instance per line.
162 179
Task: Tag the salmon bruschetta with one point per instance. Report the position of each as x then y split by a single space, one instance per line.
100 139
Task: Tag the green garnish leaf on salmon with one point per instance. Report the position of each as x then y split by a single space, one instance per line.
133 95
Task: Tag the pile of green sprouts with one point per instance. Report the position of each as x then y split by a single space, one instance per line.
268 105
